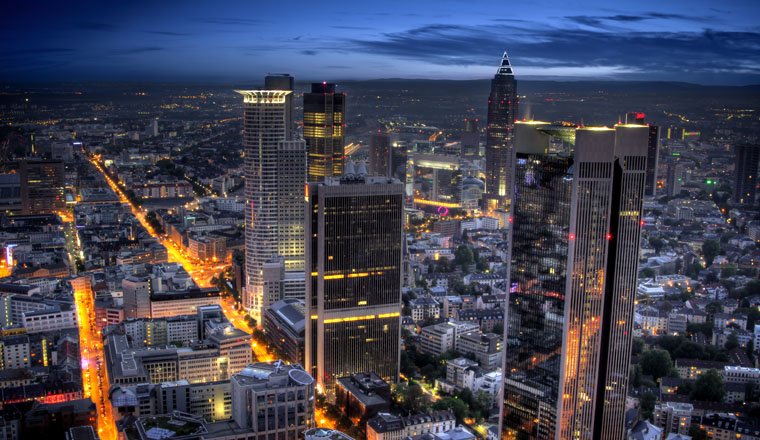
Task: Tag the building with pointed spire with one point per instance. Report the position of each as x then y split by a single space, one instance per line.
502 113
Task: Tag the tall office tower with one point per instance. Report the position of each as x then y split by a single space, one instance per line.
324 124
470 139
275 171
745 172
502 112
43 183
353 294
574 260
379 154
386 158
653 151
674 179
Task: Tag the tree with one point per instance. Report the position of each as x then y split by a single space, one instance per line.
731 342
657 243
697 433
463 256
656 363
666 307
634 377
456 405
727 272
709 386
647 405
692 271
647 272
714 307
637 346
710 250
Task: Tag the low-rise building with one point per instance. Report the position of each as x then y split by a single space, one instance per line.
273 399
361 396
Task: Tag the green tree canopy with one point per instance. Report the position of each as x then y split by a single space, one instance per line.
709 386
710 250
656 363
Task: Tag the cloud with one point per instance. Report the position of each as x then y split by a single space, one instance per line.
662 54
169 34
602 21
308 52
96 26
232 21
137 50
353 28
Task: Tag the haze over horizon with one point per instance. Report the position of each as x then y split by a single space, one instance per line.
239 41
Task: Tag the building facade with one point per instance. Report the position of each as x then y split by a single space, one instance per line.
502 113
275 169
42 186
745 172
573 279
324 125
354 261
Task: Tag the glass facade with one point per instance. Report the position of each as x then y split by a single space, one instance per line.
502 112
324 126
573 267
354 294
538 272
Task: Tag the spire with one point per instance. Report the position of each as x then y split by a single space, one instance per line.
505 68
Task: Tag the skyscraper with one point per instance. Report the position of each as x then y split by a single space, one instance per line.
574 257
674 179
745 172
324 123
386 158
378 159
275 170
502 113
653 151
43 183
353 255
470 139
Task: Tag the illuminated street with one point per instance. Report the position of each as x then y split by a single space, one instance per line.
94 375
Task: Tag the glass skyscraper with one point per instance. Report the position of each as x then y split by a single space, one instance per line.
575 229
502 113
354 227
324 123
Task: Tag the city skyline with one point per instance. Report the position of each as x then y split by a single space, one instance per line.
681 41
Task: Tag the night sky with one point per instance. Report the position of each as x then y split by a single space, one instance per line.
709 42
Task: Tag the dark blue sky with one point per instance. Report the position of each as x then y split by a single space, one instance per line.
699 41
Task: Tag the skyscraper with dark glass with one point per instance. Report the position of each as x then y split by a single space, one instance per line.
502 113
324 124
470 139
275 176
353 292
43 183
745 172
653 151
573 267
